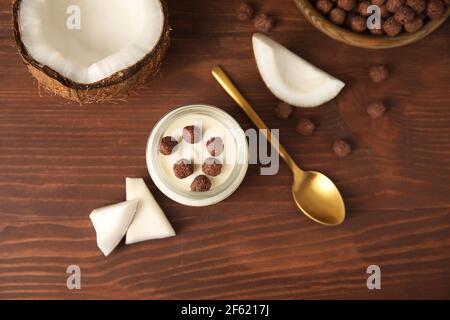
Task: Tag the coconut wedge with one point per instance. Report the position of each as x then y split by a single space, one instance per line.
150 221
291 78
91 51
111 224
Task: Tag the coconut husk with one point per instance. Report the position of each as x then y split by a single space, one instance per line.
115 88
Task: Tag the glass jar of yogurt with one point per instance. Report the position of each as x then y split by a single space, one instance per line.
212 122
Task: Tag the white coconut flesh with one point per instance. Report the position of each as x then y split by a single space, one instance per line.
113 35
291 78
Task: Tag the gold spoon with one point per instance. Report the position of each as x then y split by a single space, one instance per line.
314 193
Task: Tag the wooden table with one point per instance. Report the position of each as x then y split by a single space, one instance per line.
59 161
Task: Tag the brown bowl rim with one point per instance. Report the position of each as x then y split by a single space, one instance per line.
368 41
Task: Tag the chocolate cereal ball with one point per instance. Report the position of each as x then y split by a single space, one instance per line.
414 25
324 6
417 5
376 109
378 2
378 73
338 16
404 14
167 145
393 5
283 110
183 168
435 9
214 146
245 12
191 134
362 8
201 183
342 148
264 23
305 127
348 21
392 27
347 5
384 13
358 23
212 167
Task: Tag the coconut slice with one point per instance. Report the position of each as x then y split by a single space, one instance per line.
91 50
291 78
150 221
111 224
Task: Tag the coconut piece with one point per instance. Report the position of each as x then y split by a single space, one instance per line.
117 47
291 78
150 221
111 224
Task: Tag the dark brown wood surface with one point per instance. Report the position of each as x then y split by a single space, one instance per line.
59 161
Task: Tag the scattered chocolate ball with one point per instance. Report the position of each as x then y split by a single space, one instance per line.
378 73
347 5
404 14
283 110
376 109
201 183
414 25
305 127
392 27
338 16
378 2
435 9
341 148
358 24
183 168
362 8
167 145
393 5
264 23
214 146
191 134
417 5
212 167
245 12
324 6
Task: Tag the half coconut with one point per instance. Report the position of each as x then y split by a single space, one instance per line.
91 51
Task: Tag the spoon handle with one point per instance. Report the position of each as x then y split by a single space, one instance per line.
231 89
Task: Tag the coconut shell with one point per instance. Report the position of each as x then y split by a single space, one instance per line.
116 87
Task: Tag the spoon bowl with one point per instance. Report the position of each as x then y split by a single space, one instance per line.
318 198
313 192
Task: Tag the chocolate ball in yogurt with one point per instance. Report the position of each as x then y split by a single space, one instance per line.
212 167
183 168
192 134
214 146
167 145
201 183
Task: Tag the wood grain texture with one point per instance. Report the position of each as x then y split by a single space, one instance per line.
59 161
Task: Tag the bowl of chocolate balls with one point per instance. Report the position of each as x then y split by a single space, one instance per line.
375 23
